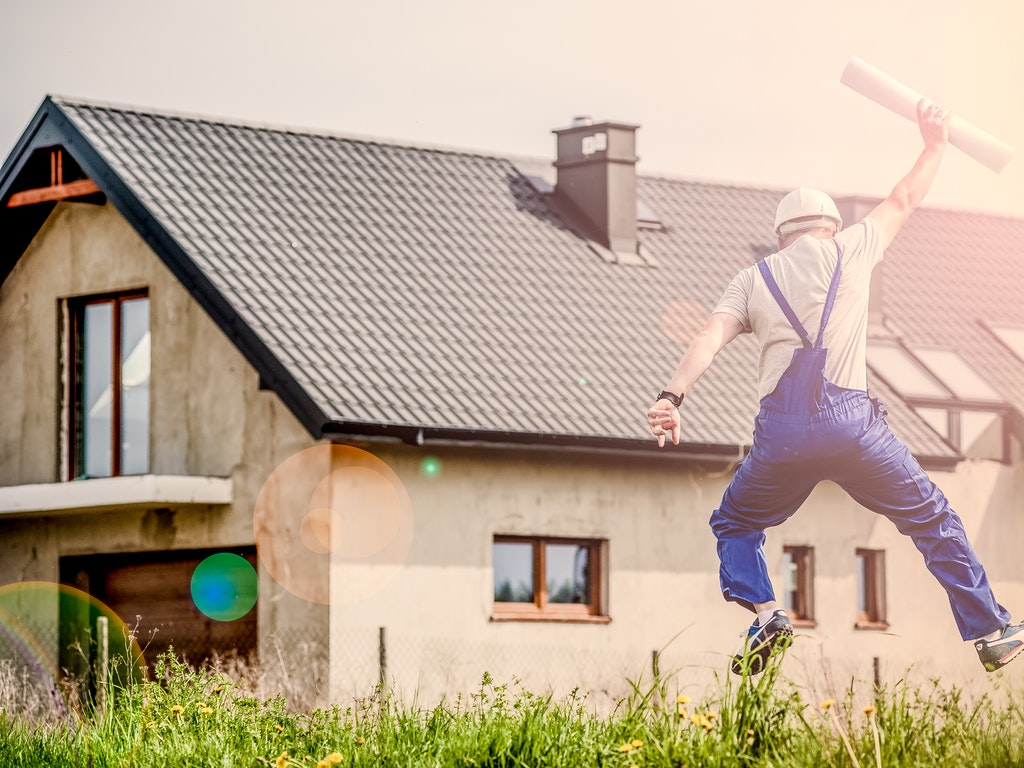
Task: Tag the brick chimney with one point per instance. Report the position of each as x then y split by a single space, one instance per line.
596 178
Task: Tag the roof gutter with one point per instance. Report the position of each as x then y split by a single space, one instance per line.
719 454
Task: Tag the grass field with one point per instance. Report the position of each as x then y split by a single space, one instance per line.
186 717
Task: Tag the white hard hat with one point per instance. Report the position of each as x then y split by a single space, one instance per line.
813 206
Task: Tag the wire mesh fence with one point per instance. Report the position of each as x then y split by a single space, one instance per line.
428 669
313 667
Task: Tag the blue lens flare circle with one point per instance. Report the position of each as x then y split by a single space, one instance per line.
225 586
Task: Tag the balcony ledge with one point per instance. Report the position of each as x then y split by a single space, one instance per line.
104 494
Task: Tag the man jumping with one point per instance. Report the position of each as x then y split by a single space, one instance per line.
817 421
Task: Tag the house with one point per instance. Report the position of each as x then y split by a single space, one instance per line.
388 401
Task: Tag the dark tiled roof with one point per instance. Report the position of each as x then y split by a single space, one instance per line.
952 273
404 287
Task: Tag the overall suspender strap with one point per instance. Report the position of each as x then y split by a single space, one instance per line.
831 297
787 310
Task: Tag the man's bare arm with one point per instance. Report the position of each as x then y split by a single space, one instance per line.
720 329
892 213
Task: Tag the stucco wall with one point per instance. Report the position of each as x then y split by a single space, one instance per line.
663 591
208 416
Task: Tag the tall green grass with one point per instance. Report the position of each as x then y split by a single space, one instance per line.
189 717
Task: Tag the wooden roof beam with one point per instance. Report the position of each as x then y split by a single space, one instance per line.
57 190
54 192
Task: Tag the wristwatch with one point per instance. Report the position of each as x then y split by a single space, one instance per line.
673 398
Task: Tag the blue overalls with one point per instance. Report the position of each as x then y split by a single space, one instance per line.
809 430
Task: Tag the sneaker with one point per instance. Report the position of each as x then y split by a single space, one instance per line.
995 654
761 641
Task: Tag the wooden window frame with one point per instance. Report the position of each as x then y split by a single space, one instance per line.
76 436
802 612
540 609
871 567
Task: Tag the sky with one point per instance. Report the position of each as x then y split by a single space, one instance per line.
743 92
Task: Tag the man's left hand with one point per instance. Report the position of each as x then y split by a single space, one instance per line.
663 418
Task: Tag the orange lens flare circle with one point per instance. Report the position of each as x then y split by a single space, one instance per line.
333 524
683 319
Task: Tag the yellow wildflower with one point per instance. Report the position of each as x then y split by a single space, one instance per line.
681 711
206 710
218 688
151 724
711 715
323 764
869 710
334 758
279 727
698 718
627 747
637 743
827 704
360 740
282 760
177 709
682 699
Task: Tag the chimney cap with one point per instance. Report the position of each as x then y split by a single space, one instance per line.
581 120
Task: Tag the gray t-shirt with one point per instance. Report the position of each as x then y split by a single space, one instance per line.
803 271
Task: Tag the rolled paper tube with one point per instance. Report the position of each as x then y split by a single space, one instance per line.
893 95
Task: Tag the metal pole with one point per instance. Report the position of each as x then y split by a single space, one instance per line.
382 660
102 662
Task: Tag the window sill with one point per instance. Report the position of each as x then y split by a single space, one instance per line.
871 625
562 618
804 623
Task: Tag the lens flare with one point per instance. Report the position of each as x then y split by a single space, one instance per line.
430 466
225 586
66 639
683 319
333 524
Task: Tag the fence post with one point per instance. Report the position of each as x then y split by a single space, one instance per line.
102 663
382 660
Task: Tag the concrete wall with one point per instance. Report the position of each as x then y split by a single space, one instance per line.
663 588
208 416
434 599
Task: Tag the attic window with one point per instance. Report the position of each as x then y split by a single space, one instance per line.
646 217
907 375
1011 335
957 375
948 394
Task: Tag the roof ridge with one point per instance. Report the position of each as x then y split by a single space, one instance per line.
256 125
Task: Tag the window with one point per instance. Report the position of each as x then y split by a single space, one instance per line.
871 589
1011 335
110 356
948 394
798 579
957 375
548 578
903 372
